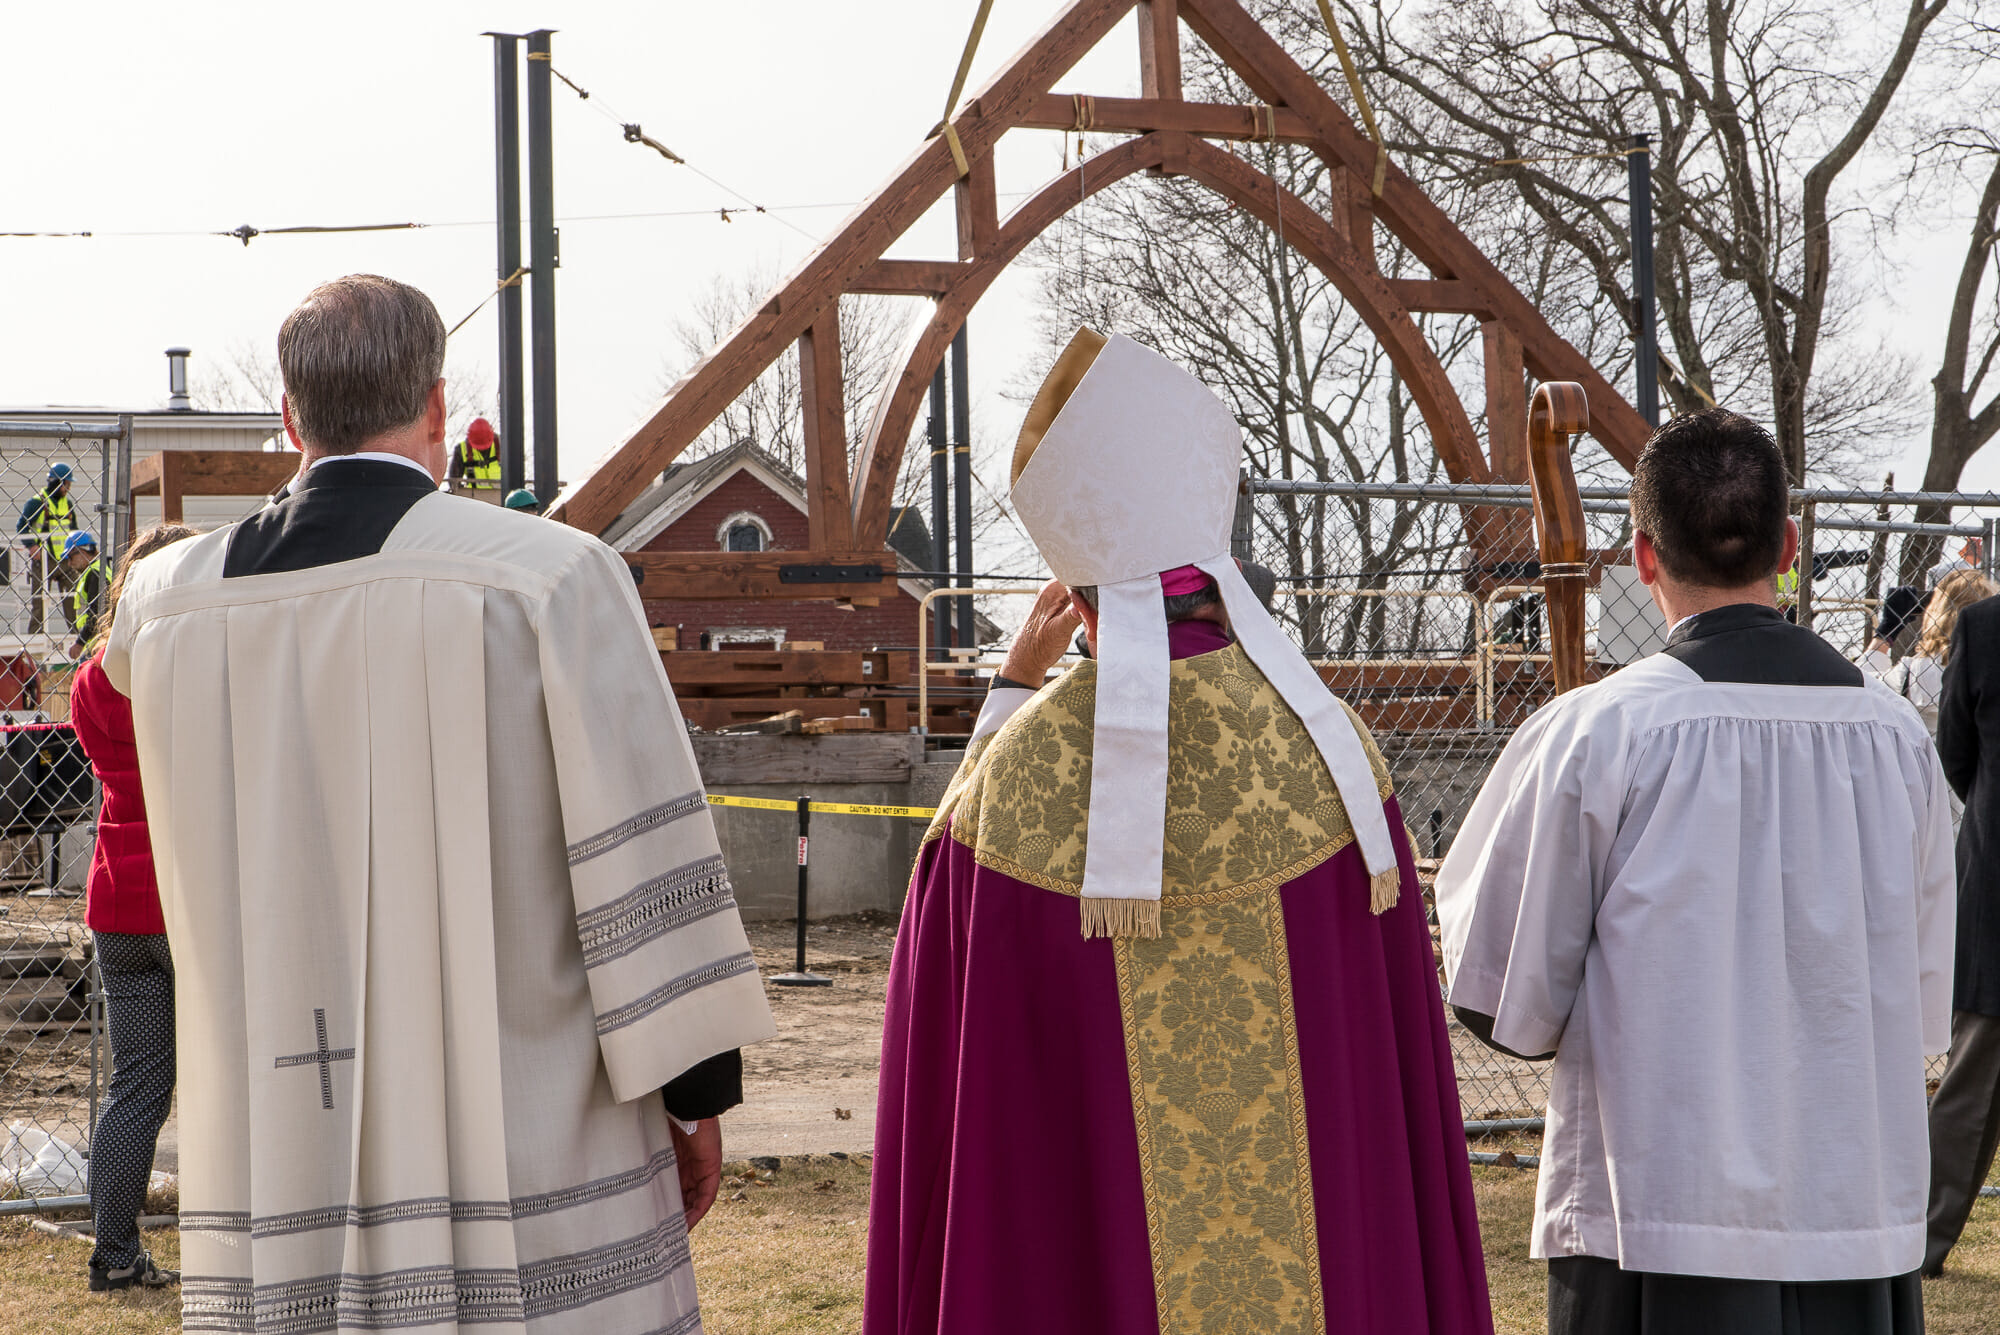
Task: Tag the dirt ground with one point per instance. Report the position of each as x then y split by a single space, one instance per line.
823 1061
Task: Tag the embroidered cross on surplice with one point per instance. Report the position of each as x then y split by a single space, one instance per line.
323 1057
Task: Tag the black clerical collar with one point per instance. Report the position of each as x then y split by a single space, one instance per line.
1753 644
1722 620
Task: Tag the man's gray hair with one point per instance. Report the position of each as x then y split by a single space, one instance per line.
359 357
1180 606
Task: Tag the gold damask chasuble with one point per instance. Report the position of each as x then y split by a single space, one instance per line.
1211 1046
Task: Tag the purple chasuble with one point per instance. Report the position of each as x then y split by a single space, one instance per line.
1009 1192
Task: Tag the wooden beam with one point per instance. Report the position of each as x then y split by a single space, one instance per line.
881 455
1506 403
1560 412
978 209
715 382
1160 50
1365 290
1417 221
726 576
214 472
854 758
829 508
907 278
1435 296
173 466
1140 115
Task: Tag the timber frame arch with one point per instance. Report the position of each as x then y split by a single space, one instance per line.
849 511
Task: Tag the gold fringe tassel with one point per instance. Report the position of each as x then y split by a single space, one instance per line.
1383 889
1121 917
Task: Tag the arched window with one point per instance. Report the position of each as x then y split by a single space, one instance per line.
744 532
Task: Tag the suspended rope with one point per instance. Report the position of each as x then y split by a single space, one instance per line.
246 232
635 134
944 127
511 280
1360 97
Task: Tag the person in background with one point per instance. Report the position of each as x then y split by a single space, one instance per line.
1965 1115
475 461
122 910
45 524
522 499
86 588
1969 553
1902 609
1919 678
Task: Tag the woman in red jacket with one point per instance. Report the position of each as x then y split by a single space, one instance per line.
123 914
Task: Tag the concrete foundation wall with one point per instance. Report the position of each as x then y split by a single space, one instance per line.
861 863
858 863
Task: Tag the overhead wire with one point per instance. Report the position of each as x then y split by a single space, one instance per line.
635 134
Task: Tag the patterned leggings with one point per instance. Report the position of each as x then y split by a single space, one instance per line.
138 976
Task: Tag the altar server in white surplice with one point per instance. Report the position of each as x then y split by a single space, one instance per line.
1717 887
447 908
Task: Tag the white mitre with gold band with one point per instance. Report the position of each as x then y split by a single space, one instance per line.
1126 468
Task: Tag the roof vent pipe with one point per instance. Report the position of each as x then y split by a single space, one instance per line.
177 381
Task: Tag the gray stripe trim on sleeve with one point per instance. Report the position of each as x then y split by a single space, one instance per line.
668 993
653 909
664 814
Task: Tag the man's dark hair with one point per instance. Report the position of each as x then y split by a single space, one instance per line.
1710 491
359 357
1180 606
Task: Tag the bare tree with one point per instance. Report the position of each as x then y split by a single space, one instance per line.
246 379
1187 272
1759 108
770 412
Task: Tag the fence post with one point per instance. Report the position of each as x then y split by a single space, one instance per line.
800 976
1802 607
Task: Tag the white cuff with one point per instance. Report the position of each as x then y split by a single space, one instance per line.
687 1128
1002 703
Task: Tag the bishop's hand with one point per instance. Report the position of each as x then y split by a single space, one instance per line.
1044 636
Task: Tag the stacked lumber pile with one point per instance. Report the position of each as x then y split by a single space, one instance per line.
822 690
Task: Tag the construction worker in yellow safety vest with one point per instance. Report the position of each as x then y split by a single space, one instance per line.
86 593
475 461
44 527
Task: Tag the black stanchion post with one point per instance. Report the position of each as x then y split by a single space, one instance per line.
800 976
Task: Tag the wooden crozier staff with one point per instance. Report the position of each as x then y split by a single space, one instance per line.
1558 413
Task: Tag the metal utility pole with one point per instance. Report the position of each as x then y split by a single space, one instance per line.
507 176
542 261
940 512
961 481
1646 357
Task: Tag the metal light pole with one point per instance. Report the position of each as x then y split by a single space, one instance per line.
961 481
1646 357
940 513
507 178
543 261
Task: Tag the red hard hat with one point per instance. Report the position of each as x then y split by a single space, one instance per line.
480 432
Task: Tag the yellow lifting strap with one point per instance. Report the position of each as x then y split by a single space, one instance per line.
1360 98
958 86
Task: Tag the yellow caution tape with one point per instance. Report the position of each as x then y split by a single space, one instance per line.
834 808
762 803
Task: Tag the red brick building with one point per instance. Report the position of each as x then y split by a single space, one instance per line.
742 499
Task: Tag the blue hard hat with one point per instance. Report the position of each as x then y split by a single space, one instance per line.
58 473
81 538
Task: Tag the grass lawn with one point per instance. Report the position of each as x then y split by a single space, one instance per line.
781 1254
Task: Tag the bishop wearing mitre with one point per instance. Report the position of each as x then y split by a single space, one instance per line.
1164 1048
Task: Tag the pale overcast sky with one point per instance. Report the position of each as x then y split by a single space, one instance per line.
199 116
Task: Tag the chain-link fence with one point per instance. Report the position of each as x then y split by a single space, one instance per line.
54 480
1422 606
